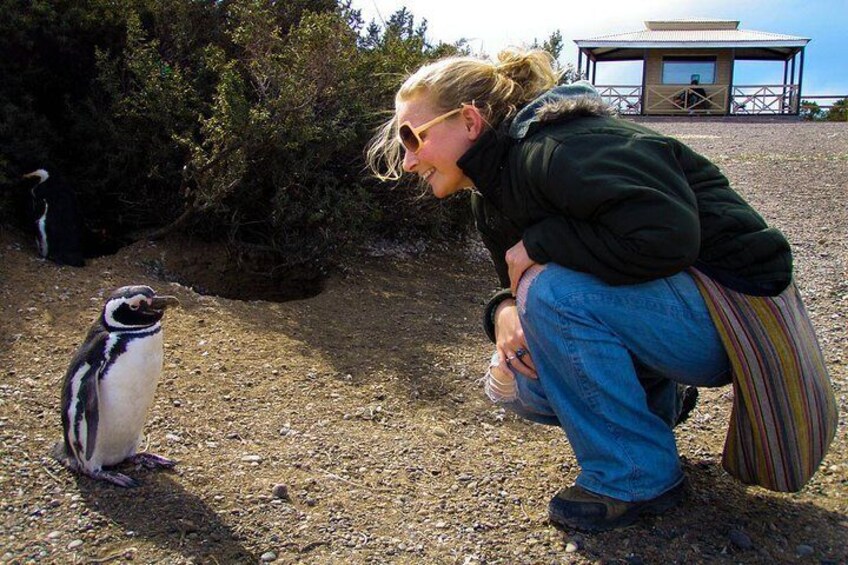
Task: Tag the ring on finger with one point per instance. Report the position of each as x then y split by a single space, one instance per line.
520 353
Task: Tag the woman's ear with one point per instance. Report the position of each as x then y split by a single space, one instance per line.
473 121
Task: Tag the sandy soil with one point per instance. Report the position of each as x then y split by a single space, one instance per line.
351 427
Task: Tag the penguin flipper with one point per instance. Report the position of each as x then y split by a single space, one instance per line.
91 409
80 396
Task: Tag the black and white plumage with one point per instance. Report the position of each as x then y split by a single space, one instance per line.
57 219
109 386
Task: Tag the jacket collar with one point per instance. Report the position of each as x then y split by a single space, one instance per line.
559 103
484 161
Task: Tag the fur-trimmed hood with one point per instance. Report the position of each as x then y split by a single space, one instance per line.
563 102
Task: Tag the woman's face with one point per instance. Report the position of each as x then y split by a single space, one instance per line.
443 145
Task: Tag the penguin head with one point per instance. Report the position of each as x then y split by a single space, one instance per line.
35 182
41 175
134 308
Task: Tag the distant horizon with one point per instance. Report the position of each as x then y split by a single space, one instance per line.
825 58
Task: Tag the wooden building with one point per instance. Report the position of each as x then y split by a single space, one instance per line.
688 67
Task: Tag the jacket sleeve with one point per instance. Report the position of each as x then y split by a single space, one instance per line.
622 209
497 243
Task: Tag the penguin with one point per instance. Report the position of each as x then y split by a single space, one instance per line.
57 220
109 386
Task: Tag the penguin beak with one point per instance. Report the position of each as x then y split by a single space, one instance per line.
161 302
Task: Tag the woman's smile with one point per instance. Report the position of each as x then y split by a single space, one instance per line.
442 145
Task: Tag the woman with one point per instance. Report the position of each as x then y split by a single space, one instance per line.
603 219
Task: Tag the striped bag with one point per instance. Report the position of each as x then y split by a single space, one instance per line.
784 413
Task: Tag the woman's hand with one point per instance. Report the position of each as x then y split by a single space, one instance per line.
518 261
512 347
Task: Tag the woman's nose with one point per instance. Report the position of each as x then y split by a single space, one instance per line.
410 161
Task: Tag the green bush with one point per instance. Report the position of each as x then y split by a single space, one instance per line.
838 112
810 110
243 121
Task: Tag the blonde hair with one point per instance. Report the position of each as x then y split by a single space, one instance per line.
497 88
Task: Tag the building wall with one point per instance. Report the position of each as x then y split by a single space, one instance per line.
657 95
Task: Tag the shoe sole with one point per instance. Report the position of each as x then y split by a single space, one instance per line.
662 503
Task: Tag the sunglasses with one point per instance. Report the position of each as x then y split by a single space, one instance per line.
410 137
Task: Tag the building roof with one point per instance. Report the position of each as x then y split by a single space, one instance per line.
694 33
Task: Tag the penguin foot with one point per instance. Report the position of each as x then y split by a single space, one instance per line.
113 477
151 461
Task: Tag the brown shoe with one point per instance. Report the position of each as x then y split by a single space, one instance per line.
576 507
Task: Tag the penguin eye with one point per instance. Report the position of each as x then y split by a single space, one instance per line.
134 306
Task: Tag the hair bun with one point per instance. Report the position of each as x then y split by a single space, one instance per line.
531 71
511 61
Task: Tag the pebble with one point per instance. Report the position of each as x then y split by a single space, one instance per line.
252 458
740 539
75 544
268 556
439 432
804 550
54 534
281 491
571 547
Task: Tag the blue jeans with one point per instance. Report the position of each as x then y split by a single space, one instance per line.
609 359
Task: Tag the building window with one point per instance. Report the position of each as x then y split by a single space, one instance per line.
689 70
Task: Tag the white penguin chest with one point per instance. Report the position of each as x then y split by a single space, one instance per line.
41 240
125 395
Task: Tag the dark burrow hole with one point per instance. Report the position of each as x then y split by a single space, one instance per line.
214 270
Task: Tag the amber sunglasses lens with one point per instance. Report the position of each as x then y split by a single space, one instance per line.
408 138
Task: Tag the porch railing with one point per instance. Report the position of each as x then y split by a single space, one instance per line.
765 99
700 99
625 99
779 99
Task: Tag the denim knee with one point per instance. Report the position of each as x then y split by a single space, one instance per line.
550 292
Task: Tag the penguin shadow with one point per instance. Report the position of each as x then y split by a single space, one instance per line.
162 512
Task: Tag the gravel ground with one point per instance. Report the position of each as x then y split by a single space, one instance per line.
351 427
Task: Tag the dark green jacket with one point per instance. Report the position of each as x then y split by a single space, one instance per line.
606 196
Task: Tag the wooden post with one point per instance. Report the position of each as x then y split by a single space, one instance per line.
728 103
800 78
644 97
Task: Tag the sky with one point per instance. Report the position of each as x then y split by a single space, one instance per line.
490 25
